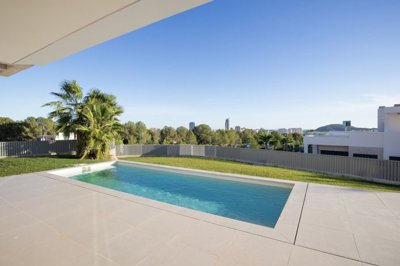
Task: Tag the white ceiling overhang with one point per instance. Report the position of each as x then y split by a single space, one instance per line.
37 32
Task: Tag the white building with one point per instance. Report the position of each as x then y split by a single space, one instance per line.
381 144
61 136
295 130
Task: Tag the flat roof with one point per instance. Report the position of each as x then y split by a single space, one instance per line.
40 32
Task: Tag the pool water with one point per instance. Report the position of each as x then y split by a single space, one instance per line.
255 203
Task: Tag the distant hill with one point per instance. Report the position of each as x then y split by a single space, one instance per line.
340 127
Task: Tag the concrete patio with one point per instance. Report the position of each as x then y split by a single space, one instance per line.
49 220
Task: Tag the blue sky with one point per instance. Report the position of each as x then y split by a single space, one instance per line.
261 63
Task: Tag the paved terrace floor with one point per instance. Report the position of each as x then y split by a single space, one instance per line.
45 221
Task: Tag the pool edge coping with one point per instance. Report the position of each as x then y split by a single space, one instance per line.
285 229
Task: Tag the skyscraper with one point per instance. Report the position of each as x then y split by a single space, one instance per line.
227 124
191 125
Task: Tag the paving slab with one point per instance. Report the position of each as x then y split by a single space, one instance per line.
56 221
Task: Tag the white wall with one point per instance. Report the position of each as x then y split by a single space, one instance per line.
366 139
351 138
391 145
328 140
392 122
381 118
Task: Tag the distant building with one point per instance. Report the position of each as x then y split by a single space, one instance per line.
192 125
283 131
346 124
61 136
227 124
295 130
382 144
46 138
237 128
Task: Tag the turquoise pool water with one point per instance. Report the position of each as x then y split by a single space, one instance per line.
255 203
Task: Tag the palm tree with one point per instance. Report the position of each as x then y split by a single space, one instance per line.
101 126
264 139
93 118
67 108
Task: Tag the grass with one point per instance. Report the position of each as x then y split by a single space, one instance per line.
16 166
264 171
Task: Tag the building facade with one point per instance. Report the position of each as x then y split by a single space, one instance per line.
192 125
295 130
382 144
227 124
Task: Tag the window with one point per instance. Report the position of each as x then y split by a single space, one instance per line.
370 156
310 148
394 158
337 153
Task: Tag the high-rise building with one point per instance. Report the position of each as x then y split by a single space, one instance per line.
192 125
227 124
237 128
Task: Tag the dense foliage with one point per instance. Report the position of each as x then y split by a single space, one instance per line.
29 129
94 118
137 133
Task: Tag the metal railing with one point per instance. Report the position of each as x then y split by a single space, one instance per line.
36 148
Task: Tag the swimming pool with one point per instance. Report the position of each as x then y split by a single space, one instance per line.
255 203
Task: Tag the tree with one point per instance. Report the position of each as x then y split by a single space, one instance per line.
128 134
203 134
68 107
100 126
288 142
48 126
13 131
264 139
190 138
248 138
276 140
167 135
141 133
181 133
219 138
5 120
154 136
232 138
94 118
33 130
297 140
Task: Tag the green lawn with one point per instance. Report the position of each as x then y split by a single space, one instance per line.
263 171
16 166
